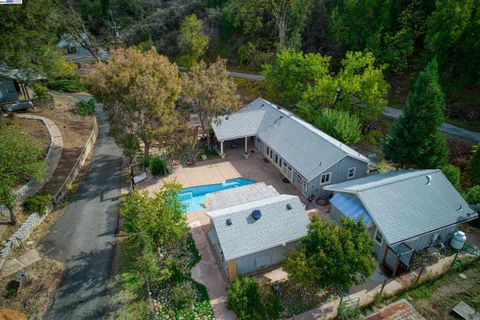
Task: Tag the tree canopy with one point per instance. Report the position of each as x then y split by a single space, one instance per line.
210 91
192 41
331 255
139 91
415 139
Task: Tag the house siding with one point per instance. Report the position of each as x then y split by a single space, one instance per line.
339 173
276 255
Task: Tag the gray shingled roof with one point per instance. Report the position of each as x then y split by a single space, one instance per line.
232 197
309 150
404 204
238 125
277 226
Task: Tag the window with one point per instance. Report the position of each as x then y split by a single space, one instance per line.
325 178
351 173
378 237
268 151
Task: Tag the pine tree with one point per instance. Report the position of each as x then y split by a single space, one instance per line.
415 140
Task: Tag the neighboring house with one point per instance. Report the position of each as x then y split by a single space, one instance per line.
255 235
405 211
70 46
13 84
306 156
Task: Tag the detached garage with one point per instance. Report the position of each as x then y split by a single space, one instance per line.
256 235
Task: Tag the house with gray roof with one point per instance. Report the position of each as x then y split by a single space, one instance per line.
308 157
255 235
405 211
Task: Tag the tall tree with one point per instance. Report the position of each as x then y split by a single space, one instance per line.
210 91
331 255
288 77
192 40
20 158
359 87
415 139
289 17
457 47
139 91
29 35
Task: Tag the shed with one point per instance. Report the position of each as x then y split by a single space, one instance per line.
256 235
410 210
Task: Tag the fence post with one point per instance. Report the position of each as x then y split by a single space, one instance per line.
420 274
454 260
383 285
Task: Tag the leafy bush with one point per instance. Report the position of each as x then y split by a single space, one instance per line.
339 124
158 166
145 161
71 83
372 137
41 91
472 195
183 293
244 299
474 166
348 313
453 175
38 202
273 306
85 108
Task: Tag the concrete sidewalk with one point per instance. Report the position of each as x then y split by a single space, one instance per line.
207 273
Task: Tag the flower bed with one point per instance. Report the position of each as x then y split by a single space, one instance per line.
181 298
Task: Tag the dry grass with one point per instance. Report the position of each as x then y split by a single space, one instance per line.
35 296
436 300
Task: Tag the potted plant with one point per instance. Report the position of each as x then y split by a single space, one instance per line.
204 156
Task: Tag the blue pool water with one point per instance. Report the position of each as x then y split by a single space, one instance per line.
192 197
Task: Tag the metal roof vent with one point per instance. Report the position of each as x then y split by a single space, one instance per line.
228 222
429 179
289 206
460 208
256 214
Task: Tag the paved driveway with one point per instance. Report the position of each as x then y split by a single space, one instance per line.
84 236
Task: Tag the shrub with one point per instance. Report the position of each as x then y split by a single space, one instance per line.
472 195
158 167
183 294
38 202
244 299
453 175
85 108
273 306
474 166
71 83
145 161
339 124
41 91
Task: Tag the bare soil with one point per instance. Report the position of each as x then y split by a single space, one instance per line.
34 297
37 130
75 131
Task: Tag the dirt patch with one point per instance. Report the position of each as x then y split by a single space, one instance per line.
37 130
35 296
442 295
75 131
459 151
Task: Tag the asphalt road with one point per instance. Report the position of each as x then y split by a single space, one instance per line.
84 236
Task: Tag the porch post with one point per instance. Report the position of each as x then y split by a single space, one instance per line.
246 148
221 147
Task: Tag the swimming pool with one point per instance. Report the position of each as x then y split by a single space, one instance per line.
192 197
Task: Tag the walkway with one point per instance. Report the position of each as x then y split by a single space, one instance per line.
207 273
394 113
84 236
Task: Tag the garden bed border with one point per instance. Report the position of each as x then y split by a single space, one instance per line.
24 231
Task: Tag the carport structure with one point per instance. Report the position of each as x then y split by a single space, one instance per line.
240 126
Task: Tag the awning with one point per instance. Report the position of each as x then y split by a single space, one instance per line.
350 207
